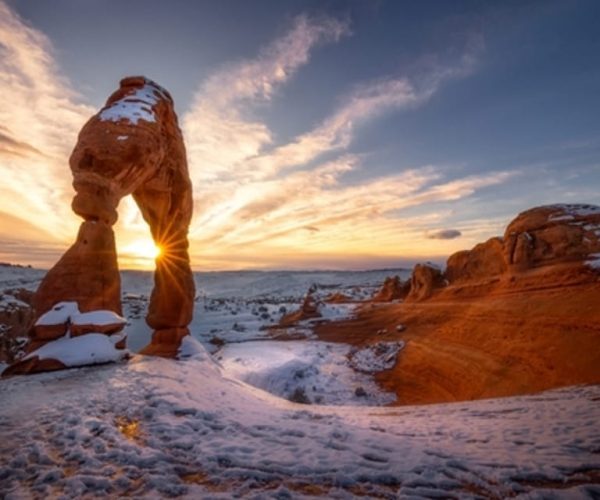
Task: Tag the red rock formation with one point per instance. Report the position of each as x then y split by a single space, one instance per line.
338 298
308 310
424 280
132 146
484 260
392 289
519 315
87 273
538 237
552 234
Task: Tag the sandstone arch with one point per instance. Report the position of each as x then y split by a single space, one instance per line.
132 146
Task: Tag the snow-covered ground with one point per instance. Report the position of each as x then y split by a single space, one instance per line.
302 371
153 427
238 422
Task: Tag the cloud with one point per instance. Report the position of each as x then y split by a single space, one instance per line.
256 201
40 116
224 144
218 131
253 195
444 234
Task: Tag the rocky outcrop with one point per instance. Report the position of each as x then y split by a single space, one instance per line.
552 234
308 310
541 236
132 146
424 280
392 289
484 260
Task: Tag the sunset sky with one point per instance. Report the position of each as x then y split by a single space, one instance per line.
320 134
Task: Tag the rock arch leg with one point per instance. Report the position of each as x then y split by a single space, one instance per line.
166 204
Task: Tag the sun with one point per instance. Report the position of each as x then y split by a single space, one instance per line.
143 249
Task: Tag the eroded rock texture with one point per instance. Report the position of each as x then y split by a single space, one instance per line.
539 237
392 289
424 280
132 146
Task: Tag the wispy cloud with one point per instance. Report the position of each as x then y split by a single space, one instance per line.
256 200
218 130
40 116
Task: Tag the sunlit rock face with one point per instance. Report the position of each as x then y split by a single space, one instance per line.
424 280
132 146
552 234
482 261
539 237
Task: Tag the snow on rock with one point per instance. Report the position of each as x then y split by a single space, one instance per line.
155 428
570 211
90 349
99 317
133 107
376 357
59 314
593 261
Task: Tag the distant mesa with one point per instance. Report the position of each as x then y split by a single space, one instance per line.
132 146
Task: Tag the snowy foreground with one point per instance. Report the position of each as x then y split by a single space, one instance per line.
156 427
230 423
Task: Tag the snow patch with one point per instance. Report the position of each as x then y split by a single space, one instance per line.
59 314
302 371
593 261
133 107
89 349
377 357
99 318
570 211
191 348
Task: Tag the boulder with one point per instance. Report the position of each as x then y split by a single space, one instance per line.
424 280
106 322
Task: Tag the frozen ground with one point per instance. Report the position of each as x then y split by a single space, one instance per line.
155 427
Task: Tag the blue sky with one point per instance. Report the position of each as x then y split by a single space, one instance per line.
320 133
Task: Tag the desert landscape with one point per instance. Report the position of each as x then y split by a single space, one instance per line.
204 300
